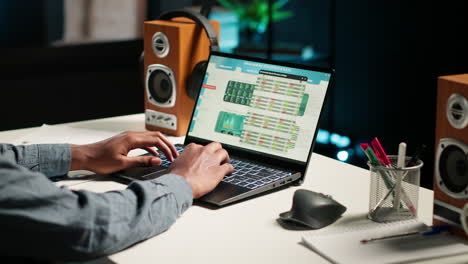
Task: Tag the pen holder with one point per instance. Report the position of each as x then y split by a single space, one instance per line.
394 191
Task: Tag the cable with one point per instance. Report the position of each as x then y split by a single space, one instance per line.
206 8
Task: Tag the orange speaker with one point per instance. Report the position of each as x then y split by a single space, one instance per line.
451 160
177 46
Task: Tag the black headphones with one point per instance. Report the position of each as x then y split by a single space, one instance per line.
197 75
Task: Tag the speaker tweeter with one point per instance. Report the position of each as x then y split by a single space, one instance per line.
160 44
457 111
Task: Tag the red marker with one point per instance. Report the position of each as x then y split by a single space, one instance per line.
380 152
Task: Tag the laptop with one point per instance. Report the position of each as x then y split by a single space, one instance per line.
265 114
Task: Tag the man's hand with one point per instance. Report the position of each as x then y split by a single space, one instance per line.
202 166
110 155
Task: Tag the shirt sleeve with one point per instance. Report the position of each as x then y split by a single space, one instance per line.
41 221
49 159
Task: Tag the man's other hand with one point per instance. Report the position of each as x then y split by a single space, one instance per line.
202 166
110 155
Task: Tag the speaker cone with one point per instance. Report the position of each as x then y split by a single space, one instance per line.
160 86
452 167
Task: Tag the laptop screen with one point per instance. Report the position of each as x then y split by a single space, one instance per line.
259 106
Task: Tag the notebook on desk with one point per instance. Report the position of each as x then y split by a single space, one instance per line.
342 244
264 113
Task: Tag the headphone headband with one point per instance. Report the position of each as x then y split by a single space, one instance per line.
198 18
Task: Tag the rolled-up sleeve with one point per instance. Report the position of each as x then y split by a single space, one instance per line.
41 221
49 159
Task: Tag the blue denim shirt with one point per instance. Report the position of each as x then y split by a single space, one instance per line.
41 221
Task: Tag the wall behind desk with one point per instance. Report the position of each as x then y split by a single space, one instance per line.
62 84
46 80
388 57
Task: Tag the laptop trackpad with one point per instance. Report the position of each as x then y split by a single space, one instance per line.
142 173
223 192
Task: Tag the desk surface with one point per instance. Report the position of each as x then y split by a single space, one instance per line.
245 232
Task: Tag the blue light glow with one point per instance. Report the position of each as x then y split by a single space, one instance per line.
323 136
335 138
228 28
342 155
340 141
343 142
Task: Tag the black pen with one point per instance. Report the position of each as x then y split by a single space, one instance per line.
433 230
416 155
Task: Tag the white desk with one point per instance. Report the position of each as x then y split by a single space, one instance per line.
246 232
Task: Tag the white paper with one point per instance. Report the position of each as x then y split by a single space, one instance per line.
47 134
342 244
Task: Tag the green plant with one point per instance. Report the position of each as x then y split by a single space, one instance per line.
253 15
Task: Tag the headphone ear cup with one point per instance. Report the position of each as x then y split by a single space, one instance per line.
195 80
141 67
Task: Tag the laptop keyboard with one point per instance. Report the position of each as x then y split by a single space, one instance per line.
246 174
253 176
162 156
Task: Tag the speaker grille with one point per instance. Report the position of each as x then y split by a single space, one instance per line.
160 85
160 44
452 167
457 111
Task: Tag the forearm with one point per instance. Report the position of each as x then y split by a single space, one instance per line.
80 157
158 204
60 224
49 159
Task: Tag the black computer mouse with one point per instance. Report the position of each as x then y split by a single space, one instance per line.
311 210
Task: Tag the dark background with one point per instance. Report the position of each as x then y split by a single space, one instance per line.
387 56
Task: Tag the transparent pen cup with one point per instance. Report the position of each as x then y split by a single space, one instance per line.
394 192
